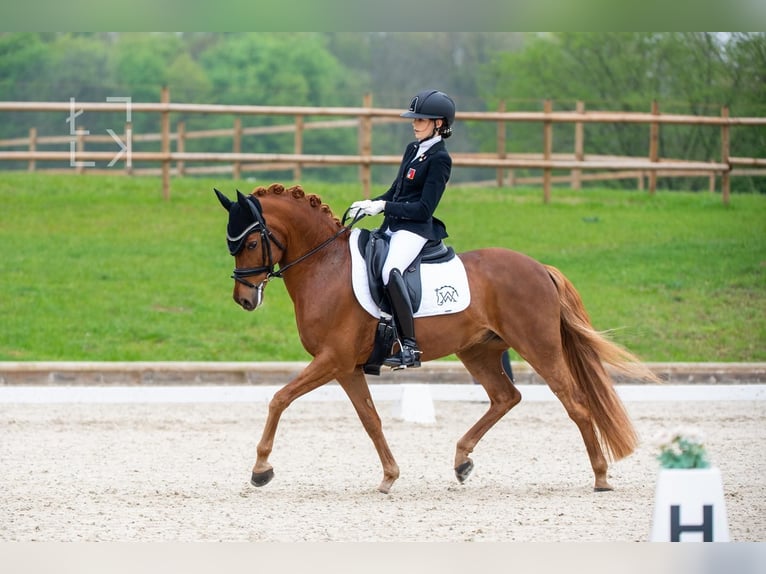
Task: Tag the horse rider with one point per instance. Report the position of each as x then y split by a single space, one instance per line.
408 208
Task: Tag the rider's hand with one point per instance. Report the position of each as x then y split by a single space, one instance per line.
374 207
357 207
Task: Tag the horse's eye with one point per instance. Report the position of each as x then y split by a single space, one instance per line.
252 244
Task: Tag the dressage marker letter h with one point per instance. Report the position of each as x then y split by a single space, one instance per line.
689 506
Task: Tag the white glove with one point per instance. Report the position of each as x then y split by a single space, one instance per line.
358 206
375 207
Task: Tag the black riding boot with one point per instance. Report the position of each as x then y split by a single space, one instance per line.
409 354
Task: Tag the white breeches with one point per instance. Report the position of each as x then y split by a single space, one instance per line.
403 249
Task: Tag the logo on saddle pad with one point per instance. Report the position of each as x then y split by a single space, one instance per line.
447 295
440 288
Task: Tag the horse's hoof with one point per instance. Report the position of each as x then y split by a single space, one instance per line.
262 478
602 486
464 470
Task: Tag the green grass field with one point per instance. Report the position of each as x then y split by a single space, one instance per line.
102 268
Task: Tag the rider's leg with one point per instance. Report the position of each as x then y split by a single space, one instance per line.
404 247
409 354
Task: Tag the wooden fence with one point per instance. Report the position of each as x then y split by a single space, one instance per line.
363 119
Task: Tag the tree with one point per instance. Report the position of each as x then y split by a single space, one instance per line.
273 69
686 73
290 69
77 67
745 56
144 63
22 58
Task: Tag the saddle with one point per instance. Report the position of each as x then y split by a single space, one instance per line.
374 246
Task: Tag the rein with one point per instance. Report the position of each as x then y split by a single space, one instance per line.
267 237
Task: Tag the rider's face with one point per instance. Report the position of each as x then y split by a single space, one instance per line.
424 128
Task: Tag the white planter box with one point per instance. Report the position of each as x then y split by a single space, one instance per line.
689 506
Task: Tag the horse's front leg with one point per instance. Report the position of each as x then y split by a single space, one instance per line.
313 376
357 390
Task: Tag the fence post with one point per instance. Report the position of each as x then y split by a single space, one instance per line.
236 169
365 147
299 126
547 151
579 146
501 129
165 142
654 137
32 148
181 147
725 155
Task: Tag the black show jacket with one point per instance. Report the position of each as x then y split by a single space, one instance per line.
412 198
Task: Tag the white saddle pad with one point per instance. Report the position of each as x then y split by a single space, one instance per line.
445 285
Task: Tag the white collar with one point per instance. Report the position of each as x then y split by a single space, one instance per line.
425 145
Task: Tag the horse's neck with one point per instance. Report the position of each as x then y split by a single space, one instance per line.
303 229
305 236
326 267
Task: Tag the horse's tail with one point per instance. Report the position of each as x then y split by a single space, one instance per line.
586 351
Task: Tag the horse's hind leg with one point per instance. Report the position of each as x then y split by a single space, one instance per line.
557 375
357 390
485 365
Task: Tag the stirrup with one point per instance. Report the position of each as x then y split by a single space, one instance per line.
407 357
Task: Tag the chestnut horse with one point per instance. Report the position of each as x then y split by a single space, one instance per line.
516 302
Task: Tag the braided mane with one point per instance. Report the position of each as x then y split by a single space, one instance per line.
296 192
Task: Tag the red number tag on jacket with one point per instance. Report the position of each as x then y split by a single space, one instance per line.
410 173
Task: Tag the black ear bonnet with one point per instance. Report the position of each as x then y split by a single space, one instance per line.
245 217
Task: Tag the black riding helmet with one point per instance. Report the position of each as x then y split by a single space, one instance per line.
433 105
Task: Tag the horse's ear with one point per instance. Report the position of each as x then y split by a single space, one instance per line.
225 201
242 200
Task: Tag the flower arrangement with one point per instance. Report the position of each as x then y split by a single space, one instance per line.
683 448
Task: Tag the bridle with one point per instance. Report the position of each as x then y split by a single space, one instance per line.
267 237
